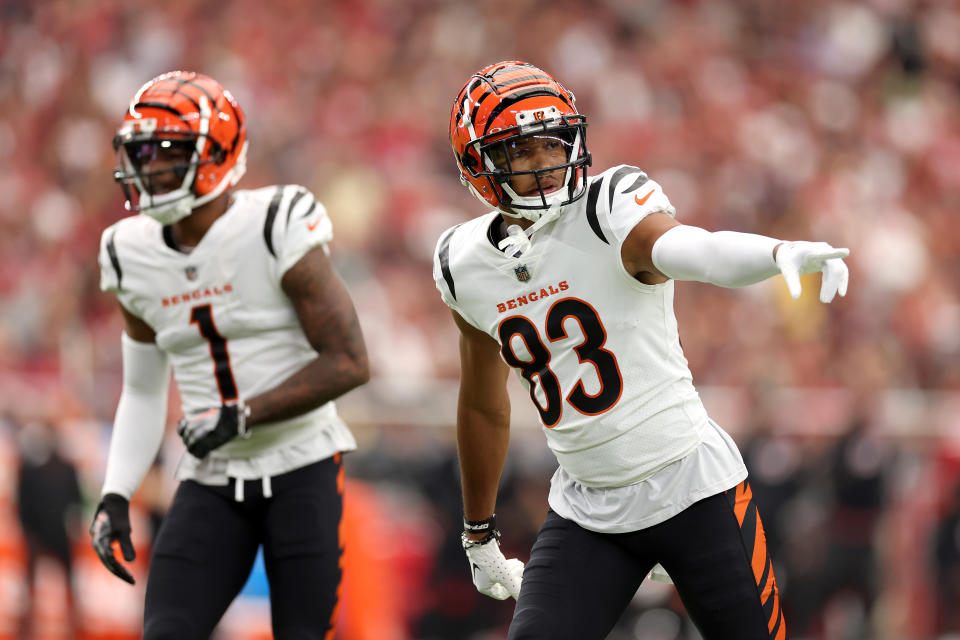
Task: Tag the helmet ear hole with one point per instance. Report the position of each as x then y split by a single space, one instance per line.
469 162
217 153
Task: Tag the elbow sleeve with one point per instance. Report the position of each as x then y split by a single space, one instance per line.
723 258
140 418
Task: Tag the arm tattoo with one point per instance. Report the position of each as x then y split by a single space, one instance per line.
330 324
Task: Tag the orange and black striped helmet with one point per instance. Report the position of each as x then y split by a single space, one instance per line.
497 106
190 117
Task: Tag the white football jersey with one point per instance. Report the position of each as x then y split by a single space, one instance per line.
598 350
220 314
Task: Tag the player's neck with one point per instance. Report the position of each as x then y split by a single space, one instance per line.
190 230
523 223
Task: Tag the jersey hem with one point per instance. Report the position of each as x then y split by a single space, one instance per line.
666 513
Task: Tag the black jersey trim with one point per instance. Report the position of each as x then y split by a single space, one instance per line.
307 213
114 260
592 196
271 216
444 255
293 203
619 175
639 182
168 239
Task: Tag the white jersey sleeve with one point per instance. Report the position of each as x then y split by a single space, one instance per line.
630 196
110 274
118 248
441 268
447 262
300 223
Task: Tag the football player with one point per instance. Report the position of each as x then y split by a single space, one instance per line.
569 281
235 291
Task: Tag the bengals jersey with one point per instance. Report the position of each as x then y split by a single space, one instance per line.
221 316
598 350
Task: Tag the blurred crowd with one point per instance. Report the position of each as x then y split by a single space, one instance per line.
836 121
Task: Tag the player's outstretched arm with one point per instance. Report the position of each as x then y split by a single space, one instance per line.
483 437
329 320
659 248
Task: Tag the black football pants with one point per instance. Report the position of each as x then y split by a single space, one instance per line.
208 542
578 582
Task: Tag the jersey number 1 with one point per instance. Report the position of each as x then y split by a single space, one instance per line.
590 350
202 316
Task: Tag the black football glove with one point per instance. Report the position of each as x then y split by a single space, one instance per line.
112 522
204 432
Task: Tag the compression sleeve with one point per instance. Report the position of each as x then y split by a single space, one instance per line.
141 416
724 258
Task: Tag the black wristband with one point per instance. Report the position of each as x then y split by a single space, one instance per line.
480 526
468 543
114 500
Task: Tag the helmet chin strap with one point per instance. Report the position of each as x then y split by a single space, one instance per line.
177 206
518 241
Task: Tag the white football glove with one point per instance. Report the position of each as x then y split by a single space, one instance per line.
493 575
795 259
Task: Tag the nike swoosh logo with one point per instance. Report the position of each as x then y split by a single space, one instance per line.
642 200
313 225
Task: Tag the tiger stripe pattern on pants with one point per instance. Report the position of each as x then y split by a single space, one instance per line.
741 501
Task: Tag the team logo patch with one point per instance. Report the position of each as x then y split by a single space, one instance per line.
191 273
523 274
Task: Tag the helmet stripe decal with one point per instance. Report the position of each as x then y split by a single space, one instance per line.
477 103
513 82
506 102
239 118
202 89
161 105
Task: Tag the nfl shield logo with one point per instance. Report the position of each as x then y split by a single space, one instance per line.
522 274
191 273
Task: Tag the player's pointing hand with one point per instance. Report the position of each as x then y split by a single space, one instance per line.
795 259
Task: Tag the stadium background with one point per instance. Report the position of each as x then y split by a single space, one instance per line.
824 120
